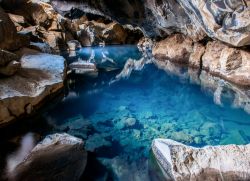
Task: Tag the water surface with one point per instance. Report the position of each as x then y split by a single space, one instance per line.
118 121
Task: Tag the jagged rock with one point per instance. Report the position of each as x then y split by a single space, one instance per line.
9 39
94 33
225 20
26 90
179 49
57 157
175 48
229 63
196 55
180 162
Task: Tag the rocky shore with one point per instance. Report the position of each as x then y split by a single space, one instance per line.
209 38
180 162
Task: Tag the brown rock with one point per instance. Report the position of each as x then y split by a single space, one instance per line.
231 64
196 55
10 69
176 48
9 39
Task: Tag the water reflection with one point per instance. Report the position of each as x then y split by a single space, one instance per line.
120 112
223 92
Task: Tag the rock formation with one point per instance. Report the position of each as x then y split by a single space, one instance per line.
57 157
224 20
181 162
215 57
40 76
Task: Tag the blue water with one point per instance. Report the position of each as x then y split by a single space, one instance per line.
119 121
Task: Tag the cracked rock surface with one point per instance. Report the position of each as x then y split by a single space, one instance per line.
40 76
181 162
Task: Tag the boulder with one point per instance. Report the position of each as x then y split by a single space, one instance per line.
57 157
180 162
9 38
41 75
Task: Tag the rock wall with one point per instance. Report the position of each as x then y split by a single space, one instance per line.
224 20
217 58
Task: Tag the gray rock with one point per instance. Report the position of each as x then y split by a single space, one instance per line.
57 157
41 75
181 162
225 20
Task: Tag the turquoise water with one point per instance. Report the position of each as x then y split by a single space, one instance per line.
118 121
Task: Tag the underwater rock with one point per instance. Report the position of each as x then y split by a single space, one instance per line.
25 91
77 126
57 157
177 161
129 122
124 170
96 141
210 129
182 137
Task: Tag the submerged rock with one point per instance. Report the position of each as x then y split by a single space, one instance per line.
40 76
57 157
181 162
